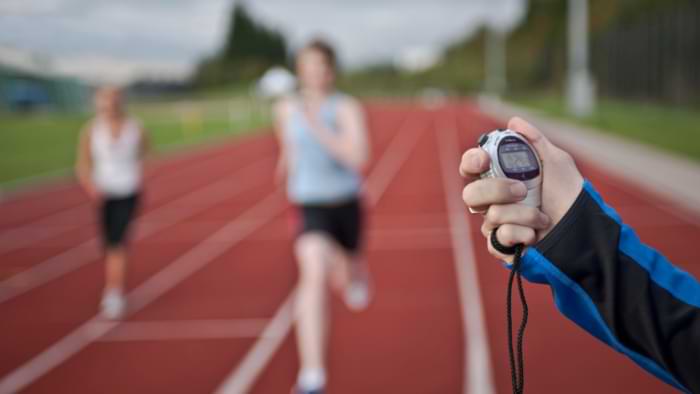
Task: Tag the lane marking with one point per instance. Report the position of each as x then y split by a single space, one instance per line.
690 218
478 375
381 239
242 378
164 280
155 221
260 354
171 330
392 159
60 222
41 229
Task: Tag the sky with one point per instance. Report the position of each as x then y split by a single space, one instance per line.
126 39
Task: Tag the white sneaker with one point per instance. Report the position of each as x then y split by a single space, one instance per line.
358 293
113 305
357 296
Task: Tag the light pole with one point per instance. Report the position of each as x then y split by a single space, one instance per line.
495 62
580 86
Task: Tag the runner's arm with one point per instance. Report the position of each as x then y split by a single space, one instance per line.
280 113
350 145
84 164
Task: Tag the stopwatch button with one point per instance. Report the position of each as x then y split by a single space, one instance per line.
483 138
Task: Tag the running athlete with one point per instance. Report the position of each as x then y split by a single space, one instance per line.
323 150
108 167
602 276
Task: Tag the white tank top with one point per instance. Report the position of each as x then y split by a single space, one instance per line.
117 162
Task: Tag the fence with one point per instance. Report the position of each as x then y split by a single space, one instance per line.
655 58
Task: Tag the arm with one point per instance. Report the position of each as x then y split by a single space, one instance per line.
602 277
621 291
280 113
84 164
350 145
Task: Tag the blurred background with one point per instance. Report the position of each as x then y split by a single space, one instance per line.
190 67
202 73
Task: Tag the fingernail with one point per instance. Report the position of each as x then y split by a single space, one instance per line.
475 159
518 189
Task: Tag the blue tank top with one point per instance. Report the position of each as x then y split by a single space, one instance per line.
315 176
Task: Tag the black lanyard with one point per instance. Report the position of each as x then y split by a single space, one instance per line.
516 357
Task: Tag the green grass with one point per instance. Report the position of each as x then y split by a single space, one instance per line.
44 144
675 130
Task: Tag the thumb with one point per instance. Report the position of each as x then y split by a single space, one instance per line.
534 136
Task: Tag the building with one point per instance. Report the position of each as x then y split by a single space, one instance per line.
28 83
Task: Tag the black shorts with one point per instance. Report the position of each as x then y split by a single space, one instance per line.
116 215
342 222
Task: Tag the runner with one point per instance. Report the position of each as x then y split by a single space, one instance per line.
324 148
109 169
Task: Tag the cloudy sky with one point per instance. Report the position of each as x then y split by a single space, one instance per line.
172 35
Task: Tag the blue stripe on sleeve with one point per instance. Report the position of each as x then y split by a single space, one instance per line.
677 282
575 304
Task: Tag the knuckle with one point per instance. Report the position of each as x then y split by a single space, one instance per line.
466 194
528 236
532 216
463 168
464 159
505 235
471 194
485 230
494 214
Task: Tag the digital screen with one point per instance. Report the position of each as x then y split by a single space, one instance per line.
516 157
518 161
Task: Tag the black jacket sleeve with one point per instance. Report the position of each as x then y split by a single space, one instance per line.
621 291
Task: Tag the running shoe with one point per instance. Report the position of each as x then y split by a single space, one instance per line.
113 305
297 390
358 293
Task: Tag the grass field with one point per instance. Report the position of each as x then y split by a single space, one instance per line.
673 129
43 144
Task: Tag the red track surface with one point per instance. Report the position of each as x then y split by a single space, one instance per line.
410 340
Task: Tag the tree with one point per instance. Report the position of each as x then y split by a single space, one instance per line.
249 49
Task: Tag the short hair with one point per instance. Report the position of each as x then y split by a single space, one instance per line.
325 49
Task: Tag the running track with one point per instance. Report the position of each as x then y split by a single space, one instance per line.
212 278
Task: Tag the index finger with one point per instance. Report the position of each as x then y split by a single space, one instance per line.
474 162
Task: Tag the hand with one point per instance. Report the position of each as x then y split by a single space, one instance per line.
92 192
317 127
517 223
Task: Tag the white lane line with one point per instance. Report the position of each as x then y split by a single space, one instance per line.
416 232
164 280
172 330
655 200
478 376
392 159
175 211
429 241
242 378
262 351
61 222
41 229
389 233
